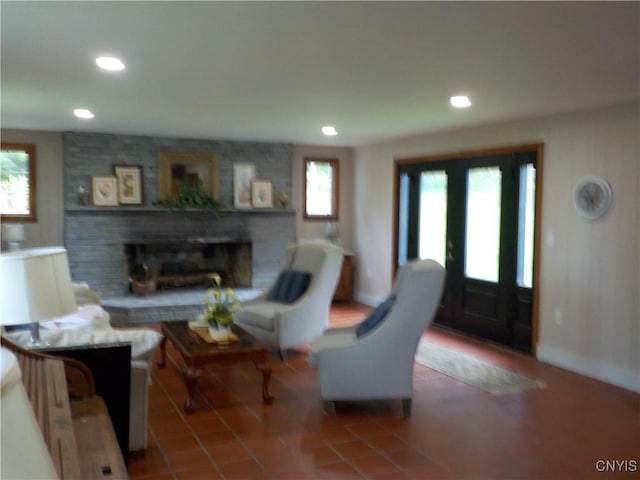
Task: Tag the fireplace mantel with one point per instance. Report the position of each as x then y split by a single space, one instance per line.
224 211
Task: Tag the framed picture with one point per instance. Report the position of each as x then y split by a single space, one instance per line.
105 191
243 175
190 169
262 194
129 184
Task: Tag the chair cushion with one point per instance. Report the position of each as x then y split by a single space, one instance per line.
290 286
375 318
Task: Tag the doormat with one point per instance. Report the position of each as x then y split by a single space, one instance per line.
473 371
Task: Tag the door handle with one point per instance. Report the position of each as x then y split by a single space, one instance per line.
449 251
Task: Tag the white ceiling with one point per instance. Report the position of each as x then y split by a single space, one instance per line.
271 71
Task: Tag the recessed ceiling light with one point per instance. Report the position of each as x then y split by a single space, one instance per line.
110 63
329 130
460 101
83 113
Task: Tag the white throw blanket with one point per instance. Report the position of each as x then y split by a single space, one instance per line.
87 316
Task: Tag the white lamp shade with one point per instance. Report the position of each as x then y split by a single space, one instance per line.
13 232
36 285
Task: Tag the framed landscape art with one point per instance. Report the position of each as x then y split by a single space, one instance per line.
199 170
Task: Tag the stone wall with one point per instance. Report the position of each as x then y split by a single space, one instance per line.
94 236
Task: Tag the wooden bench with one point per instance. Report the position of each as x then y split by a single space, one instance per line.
74 420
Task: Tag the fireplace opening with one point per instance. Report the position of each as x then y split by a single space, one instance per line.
166 265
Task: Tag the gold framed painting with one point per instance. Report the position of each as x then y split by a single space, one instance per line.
105 191
262 194
129 184
190 169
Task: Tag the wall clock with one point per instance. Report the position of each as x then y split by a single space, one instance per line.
592 197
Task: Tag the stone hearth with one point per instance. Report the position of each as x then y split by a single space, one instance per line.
184 304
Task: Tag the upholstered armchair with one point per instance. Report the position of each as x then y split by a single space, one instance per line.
295 308
374 359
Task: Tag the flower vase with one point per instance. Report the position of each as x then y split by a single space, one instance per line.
220 333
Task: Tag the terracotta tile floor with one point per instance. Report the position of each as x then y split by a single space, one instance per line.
456 431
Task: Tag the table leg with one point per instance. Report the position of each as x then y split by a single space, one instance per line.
163 353
265 368
191 379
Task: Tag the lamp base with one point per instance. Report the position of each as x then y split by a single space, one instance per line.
13 246
35 341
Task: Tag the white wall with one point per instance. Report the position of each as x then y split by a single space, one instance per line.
48 230
315 228
588 271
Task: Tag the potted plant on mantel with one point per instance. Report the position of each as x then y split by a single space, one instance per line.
221 304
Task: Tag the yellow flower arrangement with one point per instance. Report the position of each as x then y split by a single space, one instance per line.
221 303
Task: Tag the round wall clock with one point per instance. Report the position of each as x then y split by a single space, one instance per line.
592 197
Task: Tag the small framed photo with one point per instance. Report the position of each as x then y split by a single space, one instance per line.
129 184
243 175
105 191
262 194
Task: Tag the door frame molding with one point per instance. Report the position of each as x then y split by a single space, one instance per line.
458 155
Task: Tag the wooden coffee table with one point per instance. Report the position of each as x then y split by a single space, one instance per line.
198 353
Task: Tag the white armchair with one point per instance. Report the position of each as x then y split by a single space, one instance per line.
282 325
378 364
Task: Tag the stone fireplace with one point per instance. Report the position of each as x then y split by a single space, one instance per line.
104 243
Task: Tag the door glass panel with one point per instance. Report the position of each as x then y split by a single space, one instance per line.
526 215
482 242
433 216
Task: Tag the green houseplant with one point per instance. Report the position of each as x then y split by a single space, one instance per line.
191 195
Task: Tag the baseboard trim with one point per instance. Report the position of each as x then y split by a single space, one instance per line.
605 372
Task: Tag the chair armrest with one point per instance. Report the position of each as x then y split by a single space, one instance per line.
80 382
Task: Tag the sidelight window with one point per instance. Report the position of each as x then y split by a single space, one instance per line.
526 215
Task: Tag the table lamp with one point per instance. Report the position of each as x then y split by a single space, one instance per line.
13 234
35 286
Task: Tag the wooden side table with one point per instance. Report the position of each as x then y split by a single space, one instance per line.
344 289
